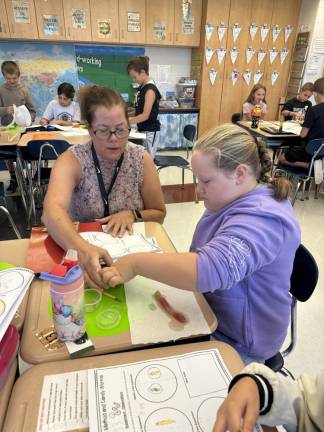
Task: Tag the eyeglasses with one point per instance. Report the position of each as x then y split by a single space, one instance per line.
106 133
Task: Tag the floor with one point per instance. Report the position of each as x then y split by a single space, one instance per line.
309 353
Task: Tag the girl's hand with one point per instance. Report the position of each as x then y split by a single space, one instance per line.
121 271
89 260
44 122
240 410
119 223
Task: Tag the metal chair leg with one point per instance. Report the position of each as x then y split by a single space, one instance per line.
183 175
296 192
12 223
303 190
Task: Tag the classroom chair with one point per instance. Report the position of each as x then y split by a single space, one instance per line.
189 133
303 176
236 117
4 209
303 282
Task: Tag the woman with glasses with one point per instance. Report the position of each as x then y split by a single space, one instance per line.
108 179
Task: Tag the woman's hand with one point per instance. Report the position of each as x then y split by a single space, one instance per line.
119 223
240 410
121 271
89 257
10 109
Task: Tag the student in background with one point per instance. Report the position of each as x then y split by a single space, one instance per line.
13 93
312 128
243 249
63 110
295 108
146 103
256 97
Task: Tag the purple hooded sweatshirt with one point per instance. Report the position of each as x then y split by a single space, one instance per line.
245 258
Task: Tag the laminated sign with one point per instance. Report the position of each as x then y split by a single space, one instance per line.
253 30
208 54
235 76
133 22
273 54
220 54
283 55
209 29
104 28
21 11
236 29
79 19
288 31
257 76
249 54
247 76
212 76
264 30
188 25
234 53
221 31
159 31
261 56
50 25
275 32
274 76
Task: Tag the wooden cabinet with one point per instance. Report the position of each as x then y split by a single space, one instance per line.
187 22
22 19
77 20
50 19
4 26
105 21
160 22
132 21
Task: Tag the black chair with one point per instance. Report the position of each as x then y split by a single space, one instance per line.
303 282
189 133
236 117
5 210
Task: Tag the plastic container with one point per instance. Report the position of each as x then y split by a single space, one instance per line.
186 90
8 351
92 299
186 102
67 295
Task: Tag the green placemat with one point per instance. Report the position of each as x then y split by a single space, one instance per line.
111 305
5 266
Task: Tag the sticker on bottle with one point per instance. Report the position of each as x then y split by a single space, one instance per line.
236 30
264 30
220 54
234 53
212 76
235 76
249 54
208 54
273 52
209 29
261 56
283 55
274 76
288 31
275 32
253 30
221 30
257 76
247 76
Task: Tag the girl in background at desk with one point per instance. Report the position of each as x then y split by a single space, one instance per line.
146 103
63 110
256 97
243 249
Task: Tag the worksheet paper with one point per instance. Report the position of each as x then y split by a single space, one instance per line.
171 394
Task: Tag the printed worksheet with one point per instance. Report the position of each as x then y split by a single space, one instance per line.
174 394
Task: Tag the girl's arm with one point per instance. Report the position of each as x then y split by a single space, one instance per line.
148 104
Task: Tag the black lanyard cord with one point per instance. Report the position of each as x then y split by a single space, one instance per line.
105 194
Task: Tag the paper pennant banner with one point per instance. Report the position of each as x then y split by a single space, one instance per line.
264 29
253 30
275 32
209 29
261 56
283 55
273 54
220 54
234 53
208 54
247 76
221 30
212 76
257 76
236 30
235 75
288 31
249 54
274 76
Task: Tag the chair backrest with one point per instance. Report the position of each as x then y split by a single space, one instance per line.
314 146
236 117
304 275
34 148
189 132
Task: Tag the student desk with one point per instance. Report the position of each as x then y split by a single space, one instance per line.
15 252
22 413
38 319
5 392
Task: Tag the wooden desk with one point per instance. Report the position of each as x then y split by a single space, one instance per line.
15 252
22 413
38 319
271 139
5 392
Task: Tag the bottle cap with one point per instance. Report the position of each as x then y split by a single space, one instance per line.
73 274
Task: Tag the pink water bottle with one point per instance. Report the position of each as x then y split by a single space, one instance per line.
67 295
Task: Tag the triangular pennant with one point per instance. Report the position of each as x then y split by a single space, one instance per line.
257 76
208 54
236 30
274 76
212 76
275 32
220 54
261 56
283 55
253 30
235 75
249 54
273 52
221 30
288 31
247 76
234 53
209 29
264 29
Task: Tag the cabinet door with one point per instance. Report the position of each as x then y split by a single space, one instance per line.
22 19
50 19
77 20
104 20
159 22
4 27
132 21
187 22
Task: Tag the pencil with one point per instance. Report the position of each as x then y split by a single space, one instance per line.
111 296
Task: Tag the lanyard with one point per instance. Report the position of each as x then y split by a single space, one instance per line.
104 193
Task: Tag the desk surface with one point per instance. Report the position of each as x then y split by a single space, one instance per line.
22 413
275 137
15 252
6 392
38 319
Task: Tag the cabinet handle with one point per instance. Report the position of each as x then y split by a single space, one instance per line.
170 37
177 34
61 31
69 34
12 28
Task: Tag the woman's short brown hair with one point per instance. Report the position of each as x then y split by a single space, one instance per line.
139 64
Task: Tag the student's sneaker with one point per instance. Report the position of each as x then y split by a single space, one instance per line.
12 185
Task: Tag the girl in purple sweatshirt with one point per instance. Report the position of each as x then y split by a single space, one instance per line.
242 252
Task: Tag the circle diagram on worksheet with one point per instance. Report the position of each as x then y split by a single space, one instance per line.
205 420
156 383
167 420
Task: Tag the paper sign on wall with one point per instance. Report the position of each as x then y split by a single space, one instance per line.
235 76
264 30
133 22
50 25
273 52
104 28
275 32
159 31
188 25
212 76
21 11
209 29
79 19
234 53
236 30
253 30
221 30
288 31
208 54
261 56
283 55
247 76
257 76
274 76
220 54
249 54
